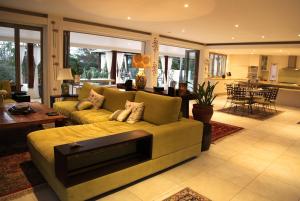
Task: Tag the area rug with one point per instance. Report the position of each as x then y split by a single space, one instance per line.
187 194
17 172
220 130
258 114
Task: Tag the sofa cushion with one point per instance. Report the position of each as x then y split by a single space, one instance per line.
84 105
44 140
159 109
90 116
137 110
115 99
96 99
84 92
65 107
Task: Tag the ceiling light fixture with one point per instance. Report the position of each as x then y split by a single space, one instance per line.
262 36
280 50
128 18
299 35
232 38
182 30
236 26
186 5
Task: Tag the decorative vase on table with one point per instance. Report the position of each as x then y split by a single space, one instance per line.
141 62
203 109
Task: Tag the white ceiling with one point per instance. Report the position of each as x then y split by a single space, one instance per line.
271 50
207 21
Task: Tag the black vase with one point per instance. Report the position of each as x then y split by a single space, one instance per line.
206 138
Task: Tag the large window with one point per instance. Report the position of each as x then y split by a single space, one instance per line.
100 58
217 66
7 54
20 58
177 65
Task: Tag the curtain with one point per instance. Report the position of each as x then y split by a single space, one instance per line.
34 92
164 81
108 56
120 57
102 62
181 67
169 78
22 54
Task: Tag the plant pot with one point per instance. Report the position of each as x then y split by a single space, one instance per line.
206 138
202 112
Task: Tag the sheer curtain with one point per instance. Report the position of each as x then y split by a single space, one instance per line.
102 62
169 77
162 71
22 54
120 57
108 56
34 93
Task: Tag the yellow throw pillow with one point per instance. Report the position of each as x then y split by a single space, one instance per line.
137 110
84 105
120 115
84 91
96 99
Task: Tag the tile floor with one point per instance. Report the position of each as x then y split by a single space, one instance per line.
261 163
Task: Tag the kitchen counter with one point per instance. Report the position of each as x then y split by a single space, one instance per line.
280 85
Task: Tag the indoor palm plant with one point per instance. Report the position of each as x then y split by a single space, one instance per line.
204 95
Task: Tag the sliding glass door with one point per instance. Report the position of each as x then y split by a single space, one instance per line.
21 58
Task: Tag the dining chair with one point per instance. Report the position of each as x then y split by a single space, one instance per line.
229 92
239 98
273 96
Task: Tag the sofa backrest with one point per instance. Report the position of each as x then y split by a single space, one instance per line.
86 88
115 99
5 85
159 109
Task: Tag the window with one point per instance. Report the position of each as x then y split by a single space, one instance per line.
217 66
24 70
99 58
177 65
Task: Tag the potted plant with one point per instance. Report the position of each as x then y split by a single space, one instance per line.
203 109
76 71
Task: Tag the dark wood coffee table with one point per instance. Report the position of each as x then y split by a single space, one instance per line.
7 120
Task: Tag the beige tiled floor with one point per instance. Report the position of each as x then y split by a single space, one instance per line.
261 163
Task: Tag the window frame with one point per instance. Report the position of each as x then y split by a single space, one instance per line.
220 70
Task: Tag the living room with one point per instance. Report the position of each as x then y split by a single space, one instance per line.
60 59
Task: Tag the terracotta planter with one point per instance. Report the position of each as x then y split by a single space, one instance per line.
202 112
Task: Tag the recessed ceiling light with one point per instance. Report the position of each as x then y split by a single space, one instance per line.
280 50
186 5
232 38
262 36
182 30
299 35
128 18
236 26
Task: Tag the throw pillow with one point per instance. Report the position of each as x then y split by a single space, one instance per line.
84 105
137 111
120 115
96 99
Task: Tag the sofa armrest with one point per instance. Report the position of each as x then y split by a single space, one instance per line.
175 136
54 97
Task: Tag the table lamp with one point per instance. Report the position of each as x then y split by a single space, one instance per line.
141 61
64 74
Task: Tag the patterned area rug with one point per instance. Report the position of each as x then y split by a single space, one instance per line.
17 172
220 130
258 114
187 194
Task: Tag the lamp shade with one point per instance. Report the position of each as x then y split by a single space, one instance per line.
65 74
141 61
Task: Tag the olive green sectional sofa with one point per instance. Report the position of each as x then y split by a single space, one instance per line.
175 139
